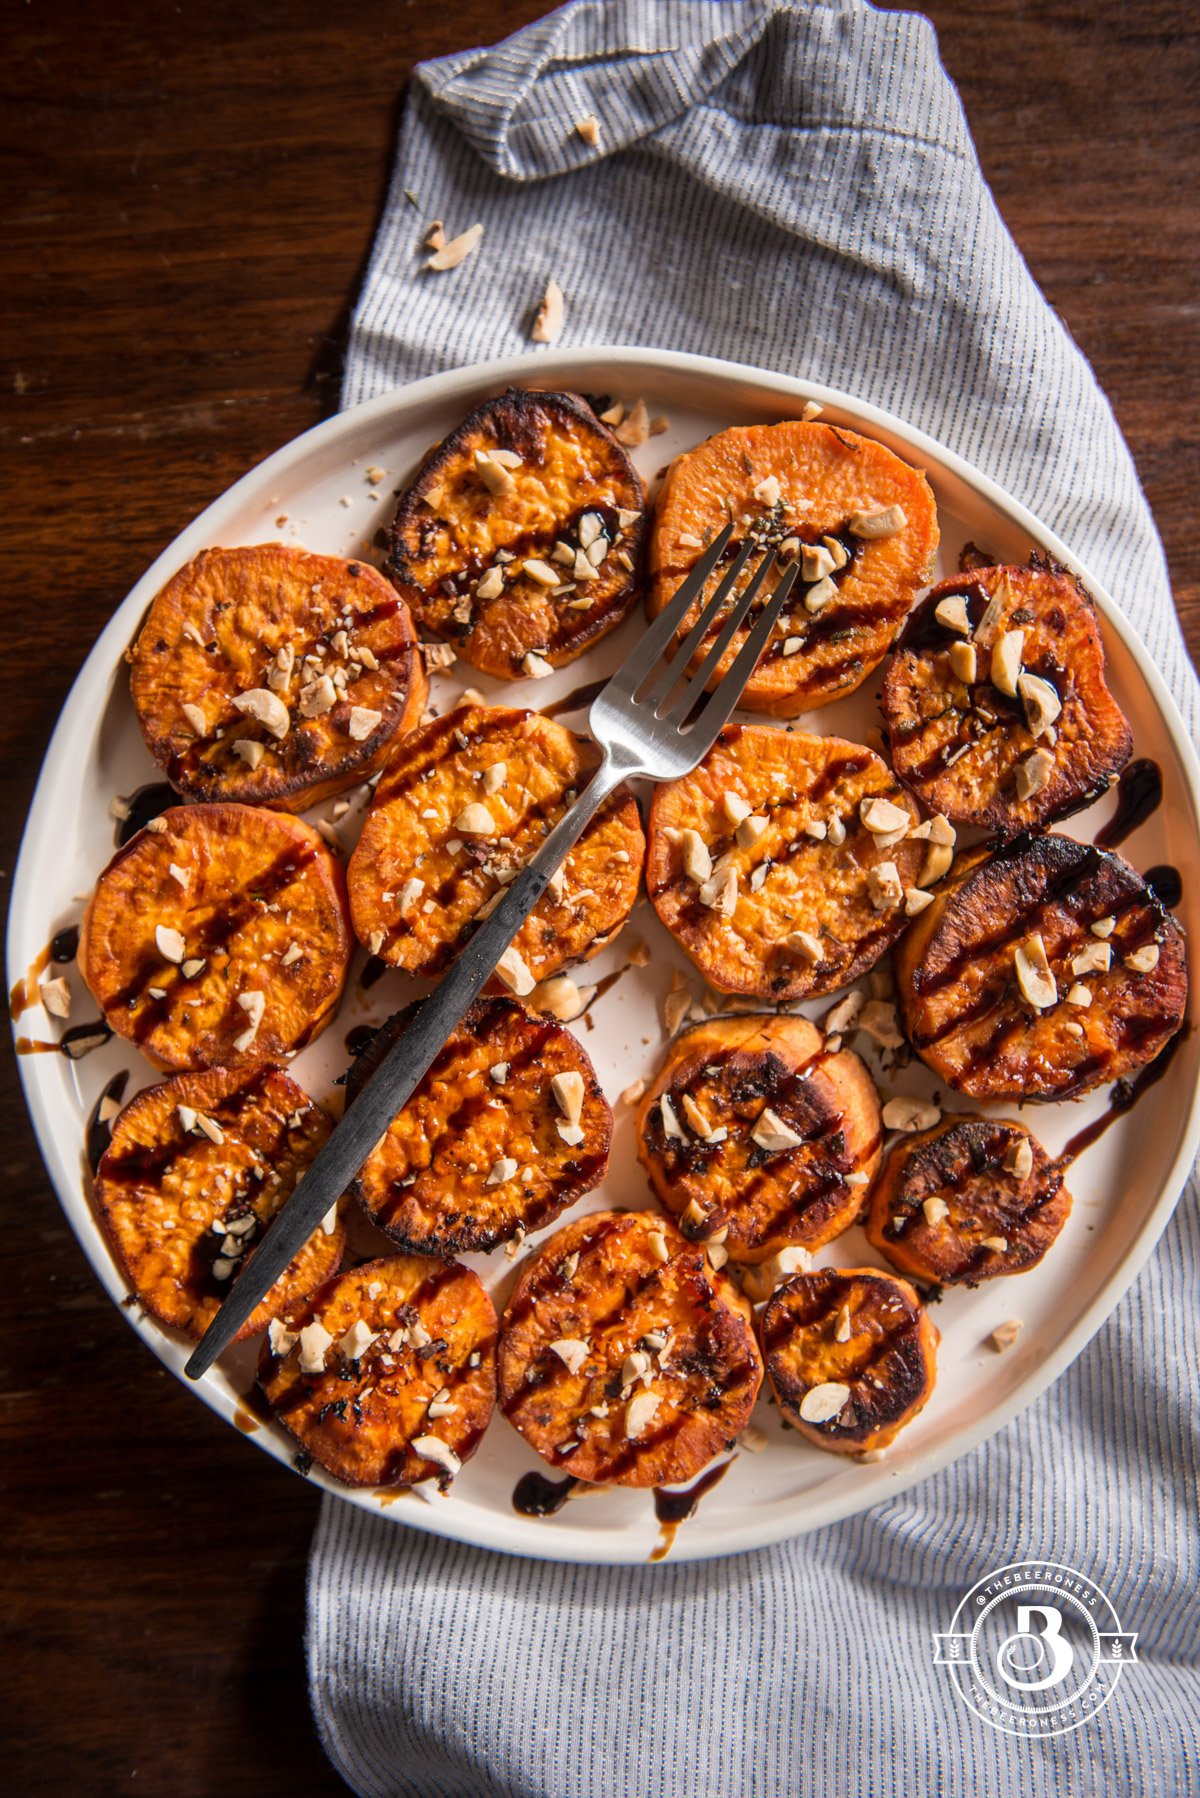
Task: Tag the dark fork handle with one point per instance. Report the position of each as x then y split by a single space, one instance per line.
396 1077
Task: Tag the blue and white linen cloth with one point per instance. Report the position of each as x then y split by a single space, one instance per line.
793 186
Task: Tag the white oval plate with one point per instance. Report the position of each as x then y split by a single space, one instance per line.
1124 1189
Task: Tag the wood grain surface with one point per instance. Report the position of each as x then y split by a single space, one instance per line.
189 195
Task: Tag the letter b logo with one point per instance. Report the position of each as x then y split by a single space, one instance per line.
1034 1659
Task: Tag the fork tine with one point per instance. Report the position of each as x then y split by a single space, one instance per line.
649 647
678 665
732 624
716 713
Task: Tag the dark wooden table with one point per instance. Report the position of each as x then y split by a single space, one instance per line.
189 196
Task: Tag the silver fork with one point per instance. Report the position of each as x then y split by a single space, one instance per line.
651 720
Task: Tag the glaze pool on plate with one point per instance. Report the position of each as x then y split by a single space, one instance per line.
1124 1190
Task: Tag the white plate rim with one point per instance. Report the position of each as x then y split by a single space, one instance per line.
879 1483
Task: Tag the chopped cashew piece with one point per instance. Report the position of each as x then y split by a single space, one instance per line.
475 820
315 1342
720 893
356 1341
758 1283
881 817
906 1112
561 998
514 972
457 250
1006 662
750 829
821 1404
1041 702
1032 774
432 1448
640 1413
253 1004
952 612
884 886
568 1095
879 1020
964 663
1094 958
880 521
550 315
697 860
1019 1159
170 943
267 707
362 721
571 1352
670 1123
1034 975
773 1135
56 996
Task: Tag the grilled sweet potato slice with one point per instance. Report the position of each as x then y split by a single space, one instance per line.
272 676
851 1355
866 519
817 897
507 1129
218 937
753 1127
969 1200
388 1375
1004 983
196 1169
1045 741
529 488
462 807
623 1355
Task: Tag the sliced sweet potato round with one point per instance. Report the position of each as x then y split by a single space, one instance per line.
218 937
799 896
1041 971
862 520
969 1200
271 676
196 1169
388 1375
520 539
463 806
851 1355
507 1129
623 1356
753 1127
997 709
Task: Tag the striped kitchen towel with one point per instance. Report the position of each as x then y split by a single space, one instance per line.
792 186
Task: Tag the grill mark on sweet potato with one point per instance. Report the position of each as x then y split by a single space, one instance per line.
147 1163
778 813
216 934
894 1357
552 1369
